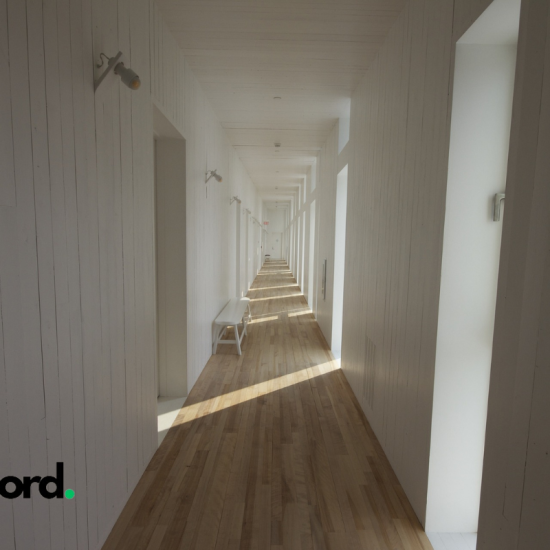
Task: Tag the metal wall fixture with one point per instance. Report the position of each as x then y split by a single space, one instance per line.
497 206
259 224
127 75
233 199
324 281
213 174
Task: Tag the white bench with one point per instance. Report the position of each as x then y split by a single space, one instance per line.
232 315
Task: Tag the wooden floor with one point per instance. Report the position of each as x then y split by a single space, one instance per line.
270 451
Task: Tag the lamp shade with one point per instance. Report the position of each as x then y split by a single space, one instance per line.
128 77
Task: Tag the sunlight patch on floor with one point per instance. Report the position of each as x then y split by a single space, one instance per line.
263 320
230 399
300 312
276 297
167 411
272 287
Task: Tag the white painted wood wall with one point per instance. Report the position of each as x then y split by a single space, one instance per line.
515 496
77 272
396 200
396 195
211 220
78 351
327 169
319 190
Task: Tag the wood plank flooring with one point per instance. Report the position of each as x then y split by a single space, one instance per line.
271 450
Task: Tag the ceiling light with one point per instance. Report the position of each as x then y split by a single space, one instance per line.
277 97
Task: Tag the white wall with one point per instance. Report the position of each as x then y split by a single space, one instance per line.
399 139
305 262
515 496
77 271
319 187
339 258
312 282
276 219
171 274
326 204
211 220
480 132
77 284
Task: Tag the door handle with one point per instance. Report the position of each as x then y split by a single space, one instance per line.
497 206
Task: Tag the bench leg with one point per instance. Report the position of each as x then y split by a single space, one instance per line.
246 319
219 331
237 339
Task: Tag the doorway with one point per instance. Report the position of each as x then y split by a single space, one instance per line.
311 279
298 242
303 258
339 260
480 134
171 265
249 249
274 246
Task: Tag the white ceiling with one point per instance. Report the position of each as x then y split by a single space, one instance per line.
310 53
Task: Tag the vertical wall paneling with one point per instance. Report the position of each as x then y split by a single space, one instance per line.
7 185
32 453
326 193
44 243
319 190
211 229
515 491
398 153
77 254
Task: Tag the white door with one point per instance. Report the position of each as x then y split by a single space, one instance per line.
274 248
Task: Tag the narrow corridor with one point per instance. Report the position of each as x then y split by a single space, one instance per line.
271 450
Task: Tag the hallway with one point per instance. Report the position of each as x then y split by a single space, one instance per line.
271 450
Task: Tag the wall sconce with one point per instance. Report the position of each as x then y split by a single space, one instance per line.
233 199
128 77
213 174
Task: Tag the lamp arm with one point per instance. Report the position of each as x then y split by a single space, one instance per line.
111 63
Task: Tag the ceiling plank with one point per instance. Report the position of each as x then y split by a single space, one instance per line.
309 53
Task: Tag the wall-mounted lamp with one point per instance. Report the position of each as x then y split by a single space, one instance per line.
128 77
213 174
233 199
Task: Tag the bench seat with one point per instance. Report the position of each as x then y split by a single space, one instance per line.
236 312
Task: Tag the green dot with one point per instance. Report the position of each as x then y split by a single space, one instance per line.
69 493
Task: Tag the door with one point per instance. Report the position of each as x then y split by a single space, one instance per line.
274 246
